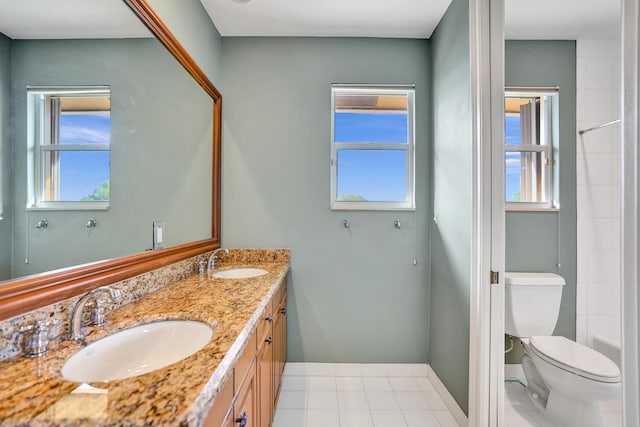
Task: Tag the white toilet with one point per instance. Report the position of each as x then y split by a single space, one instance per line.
564 379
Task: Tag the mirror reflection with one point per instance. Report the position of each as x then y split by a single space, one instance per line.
158 166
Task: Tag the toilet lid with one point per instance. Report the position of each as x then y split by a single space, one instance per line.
576 358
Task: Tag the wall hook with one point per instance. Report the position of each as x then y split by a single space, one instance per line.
92 223
396 223
43 223
346 223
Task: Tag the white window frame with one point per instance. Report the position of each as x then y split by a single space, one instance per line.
408 148
39 132
547 134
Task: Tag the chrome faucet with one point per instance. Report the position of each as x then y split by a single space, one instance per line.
75 325
211 265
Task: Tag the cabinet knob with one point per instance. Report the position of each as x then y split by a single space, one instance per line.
242 420
283 310
269 340
269 318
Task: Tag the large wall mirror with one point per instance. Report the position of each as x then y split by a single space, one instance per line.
159 146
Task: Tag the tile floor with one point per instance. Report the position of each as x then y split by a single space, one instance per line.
359 395
519 410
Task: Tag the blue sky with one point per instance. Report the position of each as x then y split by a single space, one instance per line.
512 160
377 175
82 172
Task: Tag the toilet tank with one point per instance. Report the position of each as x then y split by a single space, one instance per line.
532 303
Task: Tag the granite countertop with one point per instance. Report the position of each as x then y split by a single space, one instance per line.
33 393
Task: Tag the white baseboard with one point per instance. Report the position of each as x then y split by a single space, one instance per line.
448 399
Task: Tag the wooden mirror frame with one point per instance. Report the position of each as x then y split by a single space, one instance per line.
25 294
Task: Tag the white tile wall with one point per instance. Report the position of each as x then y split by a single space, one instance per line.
598 190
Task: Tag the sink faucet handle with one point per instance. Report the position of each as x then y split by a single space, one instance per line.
211 265
38 340
97 313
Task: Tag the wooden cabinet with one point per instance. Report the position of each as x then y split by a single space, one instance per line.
265 382
279 338
245 410
251 393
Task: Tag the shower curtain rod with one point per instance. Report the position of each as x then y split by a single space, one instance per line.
583 131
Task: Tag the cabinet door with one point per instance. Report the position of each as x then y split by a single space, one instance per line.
221 413
245 410
280 344
265 382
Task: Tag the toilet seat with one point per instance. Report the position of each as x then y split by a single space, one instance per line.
576 358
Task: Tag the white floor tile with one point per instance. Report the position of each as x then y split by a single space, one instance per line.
295 368
323 418
435 401
376 384
446 419
403 384
349 418
349 384
323 400
321 383
421 419
353 400
293 399
294 383
289 418
359 395
388 419
382 400
526 419
321 369
412 400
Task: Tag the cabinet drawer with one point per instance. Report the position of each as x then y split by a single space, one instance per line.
280 294
244 362
265 325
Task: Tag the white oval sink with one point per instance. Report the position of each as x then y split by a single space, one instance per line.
136 351
239 273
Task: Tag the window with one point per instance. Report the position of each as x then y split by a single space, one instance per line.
372 150
530 129
69 148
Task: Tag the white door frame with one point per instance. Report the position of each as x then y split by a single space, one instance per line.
630 214
486 329
486 359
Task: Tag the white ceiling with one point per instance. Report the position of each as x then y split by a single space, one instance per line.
546 19
364 18
562 19
525 19
51 19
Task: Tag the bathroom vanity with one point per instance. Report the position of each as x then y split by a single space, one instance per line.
234 377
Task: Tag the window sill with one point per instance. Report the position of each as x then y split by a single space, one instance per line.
529 209
68 208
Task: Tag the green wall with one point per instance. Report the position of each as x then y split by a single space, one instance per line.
451 191
160 151
540 241
354 294
5 164
190 23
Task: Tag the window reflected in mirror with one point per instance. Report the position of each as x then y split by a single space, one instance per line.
70 147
